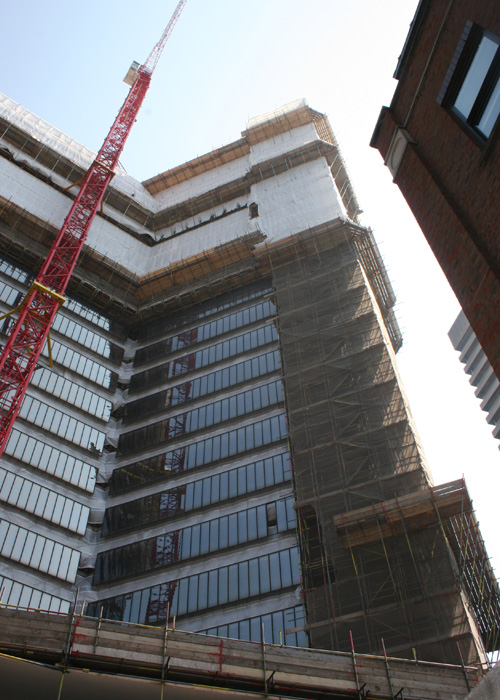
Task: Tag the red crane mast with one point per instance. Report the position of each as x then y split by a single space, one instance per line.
38 309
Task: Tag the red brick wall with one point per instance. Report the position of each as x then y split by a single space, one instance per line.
454 196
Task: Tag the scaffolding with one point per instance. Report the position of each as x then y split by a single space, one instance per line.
444 517
426 589
353 442
95 655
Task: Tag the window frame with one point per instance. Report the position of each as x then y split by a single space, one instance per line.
458 73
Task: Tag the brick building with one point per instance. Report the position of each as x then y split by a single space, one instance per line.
439 139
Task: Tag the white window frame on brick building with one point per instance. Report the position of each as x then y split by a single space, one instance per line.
471 89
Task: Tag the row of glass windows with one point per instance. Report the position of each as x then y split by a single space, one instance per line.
87 338
73 360
13 297
274 625
61 424
47 504
19 595
93 316
226 301
72 393
199 453
198 494
64 325
213 329
209 356
14 272
193 541
9 295
88 314
51 460
227 584
208 384
38 552
203 417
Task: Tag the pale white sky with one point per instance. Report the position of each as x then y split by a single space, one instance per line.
227 61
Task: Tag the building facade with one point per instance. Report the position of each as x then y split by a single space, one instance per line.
223 439
479 369
439 138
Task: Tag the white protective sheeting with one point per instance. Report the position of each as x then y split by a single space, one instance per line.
288 203
276 113
82 157
45 133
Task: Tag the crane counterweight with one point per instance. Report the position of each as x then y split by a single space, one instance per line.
132 73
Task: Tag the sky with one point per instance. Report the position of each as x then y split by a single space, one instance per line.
228 61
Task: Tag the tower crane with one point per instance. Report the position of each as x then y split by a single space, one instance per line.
43 300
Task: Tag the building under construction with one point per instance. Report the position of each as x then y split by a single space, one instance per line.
222 438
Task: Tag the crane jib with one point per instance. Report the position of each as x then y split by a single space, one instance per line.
42 302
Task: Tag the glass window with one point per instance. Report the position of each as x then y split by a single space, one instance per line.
188 503
204 537
41 553
233 483
224 532
195 540
242 527
186 543
255 629
262 521
59 423
223 585
19 543
278 627
252 523
215 488
233 443
202 358
233 582
214 535
207 589
203 310
267 627
183 586
265 583
285 569
248 439
200 418
253 577
244 630
200 334
198 494
212 588
274 567
203 591
89 339
206 499
76 362
243 577
233 529
18 594
36 556
194 455
476 75
70 392
474 92
294 557
45 503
